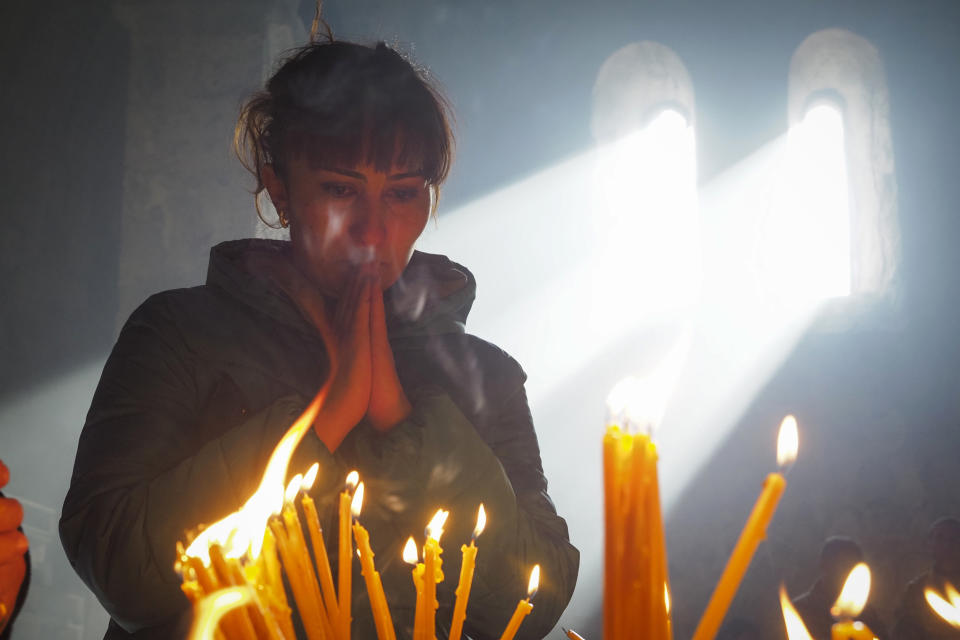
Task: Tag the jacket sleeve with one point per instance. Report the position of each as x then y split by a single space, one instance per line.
142 479
437 459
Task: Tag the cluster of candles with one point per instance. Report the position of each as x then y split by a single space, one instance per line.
233 571
237 600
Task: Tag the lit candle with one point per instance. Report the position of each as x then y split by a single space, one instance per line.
849 605
378 600
345 566
410 556
796 630
432 571
272 574
466 577
523 607
612 488
209 611
237 622
947 608
319 548
293 562
754 531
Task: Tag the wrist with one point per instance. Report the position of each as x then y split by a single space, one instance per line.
390 416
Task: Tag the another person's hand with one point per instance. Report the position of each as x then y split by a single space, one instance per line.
388 402
13 546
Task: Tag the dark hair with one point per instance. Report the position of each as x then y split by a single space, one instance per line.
340 104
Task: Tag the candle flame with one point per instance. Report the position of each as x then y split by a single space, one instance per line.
949 611
534 583
310 477
638 404
357 503
213 607
481 522
853 596
796 630
435 526
242 531
953 595
788 441
293 488
666 597
352 479
410 555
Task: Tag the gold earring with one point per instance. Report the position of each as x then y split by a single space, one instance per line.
284 222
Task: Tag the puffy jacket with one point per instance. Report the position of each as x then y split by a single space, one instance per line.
204 381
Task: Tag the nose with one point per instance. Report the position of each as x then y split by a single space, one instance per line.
368 224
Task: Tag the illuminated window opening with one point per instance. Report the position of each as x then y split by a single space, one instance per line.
838 67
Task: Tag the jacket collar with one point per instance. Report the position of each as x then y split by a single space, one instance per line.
433 295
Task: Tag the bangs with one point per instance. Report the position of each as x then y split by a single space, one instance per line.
384 147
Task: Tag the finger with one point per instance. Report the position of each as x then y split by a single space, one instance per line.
378 315
361 319
347 304
11 514
4 474
13 544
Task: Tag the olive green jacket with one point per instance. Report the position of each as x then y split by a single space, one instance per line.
203 382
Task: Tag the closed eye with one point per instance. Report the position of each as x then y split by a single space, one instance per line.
403 194
339 189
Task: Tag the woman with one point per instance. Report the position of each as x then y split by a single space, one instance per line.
351 144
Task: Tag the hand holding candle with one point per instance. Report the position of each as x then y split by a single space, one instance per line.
753 532
466 577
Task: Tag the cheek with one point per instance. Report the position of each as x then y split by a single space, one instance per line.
319 230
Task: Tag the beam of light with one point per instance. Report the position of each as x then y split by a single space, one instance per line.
583 294
805 242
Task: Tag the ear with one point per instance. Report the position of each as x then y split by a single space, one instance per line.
276 187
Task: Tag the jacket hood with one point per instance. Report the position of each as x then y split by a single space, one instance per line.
433 295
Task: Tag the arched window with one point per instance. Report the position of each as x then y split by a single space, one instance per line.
842 162
646 195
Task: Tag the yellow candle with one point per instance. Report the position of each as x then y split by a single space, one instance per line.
466 577
276 594
345 566
433 572
847 630
612 483
659 591
237 622
753 532
411 556
635 614
312 623
523 607
850 603
323 561
378 600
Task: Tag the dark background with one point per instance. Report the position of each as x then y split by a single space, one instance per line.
117 176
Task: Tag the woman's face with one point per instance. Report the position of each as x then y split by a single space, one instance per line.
344 220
